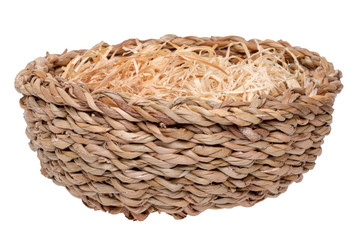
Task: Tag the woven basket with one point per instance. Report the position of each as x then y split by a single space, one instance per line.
180 156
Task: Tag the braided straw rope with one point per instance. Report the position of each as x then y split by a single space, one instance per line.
181 156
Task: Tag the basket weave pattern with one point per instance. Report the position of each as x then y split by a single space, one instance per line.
182 156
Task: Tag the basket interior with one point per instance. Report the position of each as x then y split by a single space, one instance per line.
206 72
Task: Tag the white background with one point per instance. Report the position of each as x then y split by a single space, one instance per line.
325 205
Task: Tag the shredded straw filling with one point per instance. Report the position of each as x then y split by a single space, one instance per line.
187 71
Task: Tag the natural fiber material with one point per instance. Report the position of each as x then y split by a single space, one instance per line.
196 71
178 125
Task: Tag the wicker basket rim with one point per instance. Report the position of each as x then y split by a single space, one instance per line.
72 92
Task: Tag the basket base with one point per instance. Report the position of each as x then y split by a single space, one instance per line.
139 209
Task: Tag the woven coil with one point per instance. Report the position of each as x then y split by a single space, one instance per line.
181 156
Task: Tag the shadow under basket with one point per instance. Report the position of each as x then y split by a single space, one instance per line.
105 127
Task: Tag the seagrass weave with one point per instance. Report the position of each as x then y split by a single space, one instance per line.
142 148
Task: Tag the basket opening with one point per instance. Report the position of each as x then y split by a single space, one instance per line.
189 71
